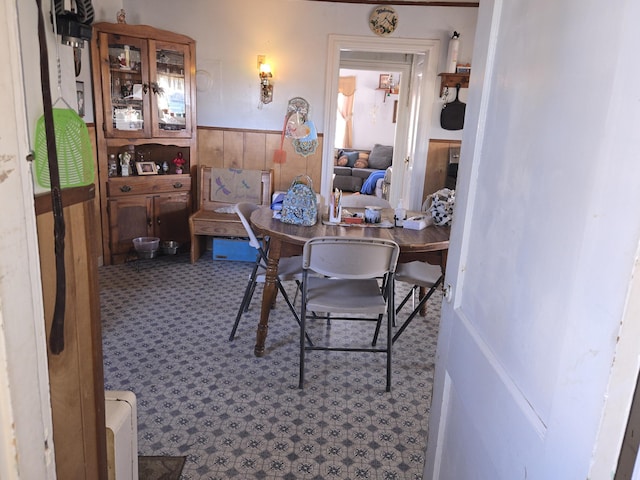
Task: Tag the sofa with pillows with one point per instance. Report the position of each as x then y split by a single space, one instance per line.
352 168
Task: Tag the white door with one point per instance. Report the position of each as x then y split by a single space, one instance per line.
543 245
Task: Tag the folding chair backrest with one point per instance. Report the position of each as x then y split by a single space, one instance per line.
244 211
350 258
361 201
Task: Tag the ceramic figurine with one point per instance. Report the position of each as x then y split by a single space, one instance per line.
125 158
179 161
113 166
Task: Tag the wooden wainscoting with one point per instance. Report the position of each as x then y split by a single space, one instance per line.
253 150
91 127
76 376
438 158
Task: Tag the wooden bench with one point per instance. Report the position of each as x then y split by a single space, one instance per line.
207 222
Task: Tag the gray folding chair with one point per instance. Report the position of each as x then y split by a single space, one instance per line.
289 268
346 284
361 201
418 274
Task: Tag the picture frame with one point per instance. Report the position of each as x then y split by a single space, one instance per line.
146 168
385 81
80 97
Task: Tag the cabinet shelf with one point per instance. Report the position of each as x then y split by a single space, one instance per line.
452 79
124 70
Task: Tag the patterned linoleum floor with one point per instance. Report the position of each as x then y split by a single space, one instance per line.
166 325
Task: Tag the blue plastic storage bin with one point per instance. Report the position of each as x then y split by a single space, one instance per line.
236 249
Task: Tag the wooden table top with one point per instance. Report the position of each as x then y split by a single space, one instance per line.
430 239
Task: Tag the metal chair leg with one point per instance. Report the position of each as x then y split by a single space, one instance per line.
417 309
246 300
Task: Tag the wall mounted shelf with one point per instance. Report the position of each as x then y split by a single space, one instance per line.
452 79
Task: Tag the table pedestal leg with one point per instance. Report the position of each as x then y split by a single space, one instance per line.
268 295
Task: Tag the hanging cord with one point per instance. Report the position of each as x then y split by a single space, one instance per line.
58 64
56 336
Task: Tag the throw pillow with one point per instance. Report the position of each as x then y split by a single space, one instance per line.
352 156
361 163
381 157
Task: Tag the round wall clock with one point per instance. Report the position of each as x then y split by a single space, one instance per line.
383 20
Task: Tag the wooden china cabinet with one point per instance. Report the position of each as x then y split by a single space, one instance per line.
145 98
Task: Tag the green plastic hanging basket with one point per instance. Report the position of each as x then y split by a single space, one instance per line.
73 145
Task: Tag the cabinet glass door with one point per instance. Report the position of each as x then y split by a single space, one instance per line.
125 71
170 87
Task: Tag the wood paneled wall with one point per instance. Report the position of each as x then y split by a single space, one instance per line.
76 374
247 149
438 158
91 127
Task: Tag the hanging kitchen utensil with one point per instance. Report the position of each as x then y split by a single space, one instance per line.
452 114
56 336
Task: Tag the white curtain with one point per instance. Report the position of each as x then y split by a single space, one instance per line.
347 90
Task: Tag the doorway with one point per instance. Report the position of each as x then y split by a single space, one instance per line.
415 103
366 113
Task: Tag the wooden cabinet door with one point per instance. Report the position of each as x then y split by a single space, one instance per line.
171 217
125 82
170 74
129 217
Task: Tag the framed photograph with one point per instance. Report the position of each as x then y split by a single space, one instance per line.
385 81
80 96
146 168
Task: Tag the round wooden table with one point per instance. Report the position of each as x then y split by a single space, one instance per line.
429 244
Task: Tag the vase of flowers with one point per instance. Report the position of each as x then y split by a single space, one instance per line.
179 161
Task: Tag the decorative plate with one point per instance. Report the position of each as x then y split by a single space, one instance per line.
383 20
298 105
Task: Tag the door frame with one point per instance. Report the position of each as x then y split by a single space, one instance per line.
26 426
420 97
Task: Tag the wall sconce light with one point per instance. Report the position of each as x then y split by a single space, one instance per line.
266 87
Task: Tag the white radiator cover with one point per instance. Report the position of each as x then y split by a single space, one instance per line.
122 435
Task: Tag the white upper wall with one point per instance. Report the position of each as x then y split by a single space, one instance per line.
372 110
293 35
